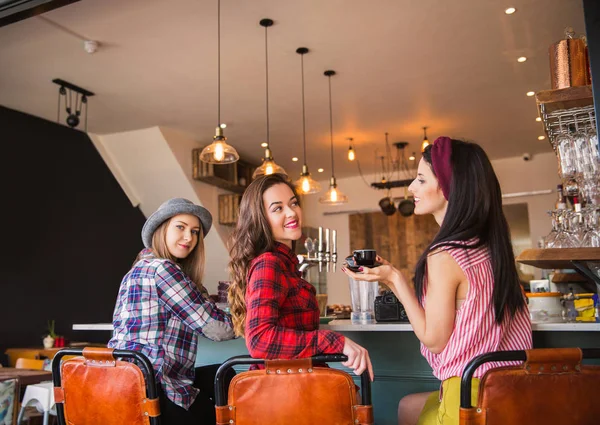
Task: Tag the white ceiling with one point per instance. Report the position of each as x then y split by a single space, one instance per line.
401 64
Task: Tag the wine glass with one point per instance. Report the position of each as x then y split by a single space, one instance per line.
585 164
592 136
550 239
565 150
591 237
565 237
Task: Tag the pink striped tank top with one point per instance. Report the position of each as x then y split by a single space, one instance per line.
475 331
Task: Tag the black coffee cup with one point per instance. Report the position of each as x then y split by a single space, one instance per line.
365 257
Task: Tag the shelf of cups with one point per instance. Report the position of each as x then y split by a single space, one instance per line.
561 108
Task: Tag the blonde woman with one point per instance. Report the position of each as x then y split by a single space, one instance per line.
161 309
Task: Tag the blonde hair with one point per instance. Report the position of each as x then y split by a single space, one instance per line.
192 265
252 237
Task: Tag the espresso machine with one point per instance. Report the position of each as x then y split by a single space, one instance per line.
320 251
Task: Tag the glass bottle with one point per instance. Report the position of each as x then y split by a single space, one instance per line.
560 199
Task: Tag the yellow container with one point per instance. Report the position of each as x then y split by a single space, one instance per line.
584 304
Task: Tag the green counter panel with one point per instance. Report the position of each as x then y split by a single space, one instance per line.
399 367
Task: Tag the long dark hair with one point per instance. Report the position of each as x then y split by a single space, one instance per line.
475 213
252 237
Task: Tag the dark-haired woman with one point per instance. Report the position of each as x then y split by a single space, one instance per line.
271 305
466 299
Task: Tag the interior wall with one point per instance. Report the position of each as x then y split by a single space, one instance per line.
154 165
514 174
400 240
69 235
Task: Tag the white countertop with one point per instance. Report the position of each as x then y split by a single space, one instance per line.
93 327
347 325
577 326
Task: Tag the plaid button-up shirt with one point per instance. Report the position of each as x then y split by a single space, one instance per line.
160 312
282 320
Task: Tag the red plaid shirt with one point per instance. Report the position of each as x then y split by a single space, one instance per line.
282 320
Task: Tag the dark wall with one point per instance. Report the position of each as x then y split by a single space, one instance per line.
69 232
591 10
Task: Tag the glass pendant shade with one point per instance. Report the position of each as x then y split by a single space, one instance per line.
351 154
333 196
306 185
219 152
425 140
268 167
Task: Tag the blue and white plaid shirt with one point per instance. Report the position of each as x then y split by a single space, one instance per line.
160 312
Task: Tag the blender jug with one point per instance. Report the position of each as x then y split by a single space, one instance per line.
362 293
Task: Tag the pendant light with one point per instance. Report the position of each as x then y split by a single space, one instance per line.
268 166
425 139
333 196
219 152
305 185
351 153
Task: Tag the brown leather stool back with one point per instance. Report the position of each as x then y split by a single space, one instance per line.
551 387
98 389
293 392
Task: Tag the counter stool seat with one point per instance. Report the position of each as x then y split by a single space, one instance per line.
292 392
104 386
551 386
42 397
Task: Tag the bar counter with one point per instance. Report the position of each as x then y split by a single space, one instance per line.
399 367
347 325
394 350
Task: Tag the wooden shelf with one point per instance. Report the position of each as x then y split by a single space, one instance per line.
561 258
578 259
233 177
568 278
229 209
572 97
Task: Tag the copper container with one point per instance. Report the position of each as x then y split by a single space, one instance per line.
569 63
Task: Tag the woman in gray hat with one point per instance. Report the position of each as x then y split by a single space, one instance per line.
161 309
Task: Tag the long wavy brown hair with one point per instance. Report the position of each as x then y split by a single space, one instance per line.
192 265
252 237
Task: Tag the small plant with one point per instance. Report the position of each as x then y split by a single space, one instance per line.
51 332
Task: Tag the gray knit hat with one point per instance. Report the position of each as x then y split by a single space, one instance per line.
171 208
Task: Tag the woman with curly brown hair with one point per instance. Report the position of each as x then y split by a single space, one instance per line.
271 305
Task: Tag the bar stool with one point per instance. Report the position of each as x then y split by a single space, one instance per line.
552 386
292 392
42 397
102 387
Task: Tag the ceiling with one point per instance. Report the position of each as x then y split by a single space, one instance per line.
401 65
